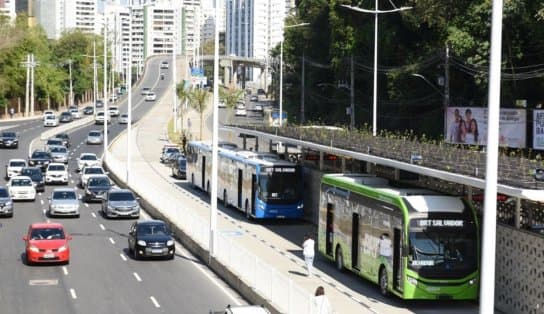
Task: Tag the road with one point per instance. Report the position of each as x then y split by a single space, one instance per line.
101 277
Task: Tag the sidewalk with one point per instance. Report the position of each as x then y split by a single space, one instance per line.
250 248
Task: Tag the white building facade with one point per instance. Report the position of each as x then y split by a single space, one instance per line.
58 16
7 8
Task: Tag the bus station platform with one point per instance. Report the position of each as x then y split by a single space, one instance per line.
280 250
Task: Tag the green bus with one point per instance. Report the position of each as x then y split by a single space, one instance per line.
414 243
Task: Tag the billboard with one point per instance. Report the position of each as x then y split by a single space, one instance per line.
468 125
538 129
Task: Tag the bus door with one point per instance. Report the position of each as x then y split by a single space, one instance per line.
355 241
203 173
253 188
330 229
397 256
240 181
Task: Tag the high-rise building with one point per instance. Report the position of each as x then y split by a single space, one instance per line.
119 25
207 29
253 28
7 7
58 16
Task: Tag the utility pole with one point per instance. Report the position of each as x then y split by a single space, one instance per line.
174 79
95 74
33 64
27 86
352 95
446 87
302 117
106 113
71 102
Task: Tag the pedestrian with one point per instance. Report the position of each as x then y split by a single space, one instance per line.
308 252
321 304
11 112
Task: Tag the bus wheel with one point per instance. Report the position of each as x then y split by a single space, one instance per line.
193 181
339 259
384 282
225 201
247 210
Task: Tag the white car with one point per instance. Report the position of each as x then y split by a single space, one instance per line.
14 167
75 113
86 172
87 160
114 111
240 111
113 98
56 173
221 104
48 113
123 118
50 120
21 188
99 117
150 96
258 107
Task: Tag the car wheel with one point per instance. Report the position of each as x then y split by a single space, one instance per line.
384 282
77 216
136 254
171 257
28 261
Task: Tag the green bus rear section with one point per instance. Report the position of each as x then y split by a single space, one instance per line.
466 288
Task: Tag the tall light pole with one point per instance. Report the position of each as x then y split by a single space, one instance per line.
71 102
444 95
376 12
487 285
27 65
281 69
174 80
95 74
128 83
106 114
33 64
215 135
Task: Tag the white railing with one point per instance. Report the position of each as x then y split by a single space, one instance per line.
267 281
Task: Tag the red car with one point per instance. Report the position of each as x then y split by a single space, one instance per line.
47 243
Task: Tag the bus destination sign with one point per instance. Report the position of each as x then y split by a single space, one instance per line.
453 223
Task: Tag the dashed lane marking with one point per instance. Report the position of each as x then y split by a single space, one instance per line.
43 282
65 270
123 257
73 293
112 241
137 277
102 227
157 305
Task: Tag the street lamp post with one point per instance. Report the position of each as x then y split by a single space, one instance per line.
376 12
445 96
129 111
106 114
71 102
281 69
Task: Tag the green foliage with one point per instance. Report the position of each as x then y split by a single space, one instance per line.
198 99
230 96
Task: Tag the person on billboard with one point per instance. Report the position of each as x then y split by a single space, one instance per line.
455 135
470 128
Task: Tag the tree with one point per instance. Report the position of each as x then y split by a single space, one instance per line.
183 92
230 96
198 100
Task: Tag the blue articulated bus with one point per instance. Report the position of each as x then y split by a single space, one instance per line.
259 184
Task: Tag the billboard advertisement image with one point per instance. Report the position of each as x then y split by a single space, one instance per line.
468 125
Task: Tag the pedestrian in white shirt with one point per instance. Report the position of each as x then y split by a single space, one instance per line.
308 252
321 304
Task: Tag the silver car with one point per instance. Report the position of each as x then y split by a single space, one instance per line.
6 204
59 153
121 203
64 202
95 137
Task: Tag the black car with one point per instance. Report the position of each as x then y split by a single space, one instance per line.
40 159
36 175
65 139
66 117
88 110
97 187
9 139
179 168
150 238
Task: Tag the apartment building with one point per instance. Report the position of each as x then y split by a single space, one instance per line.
58 16
7 8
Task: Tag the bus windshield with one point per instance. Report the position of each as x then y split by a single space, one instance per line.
445 251
279 185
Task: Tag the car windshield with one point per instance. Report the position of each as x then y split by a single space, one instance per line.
113 108
100 113
94 133
67 114
64 195
50 117
47 234
40 155
121 196
170 150
152 229
8 134
54 142
93 171
99 182
33 173
62 135
56 168
124 115
88 157
17 164
4 193
58 149
21 182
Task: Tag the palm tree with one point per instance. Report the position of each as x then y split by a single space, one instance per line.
198 102
183 93
230 96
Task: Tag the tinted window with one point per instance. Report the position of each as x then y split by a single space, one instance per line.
99 182
4 192
56 168
94 133
47 234
21 182
54 142
121 196
93 171
8 134
64 195
88 157
40 155
17 164
58 149
34 173
152 229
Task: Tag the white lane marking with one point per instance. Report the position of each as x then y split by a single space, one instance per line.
73 293
102 227
157 305
41 202
44 210
65 270
87 205
137 277
212 279
40 194
43 282
92 214
123 257
112 241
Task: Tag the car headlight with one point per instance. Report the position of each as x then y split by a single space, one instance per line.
9 203
62 248
170 243
31 163
141 243
111 207
33 249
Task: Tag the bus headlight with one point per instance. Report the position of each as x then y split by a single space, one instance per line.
473 281
411 280
301 206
